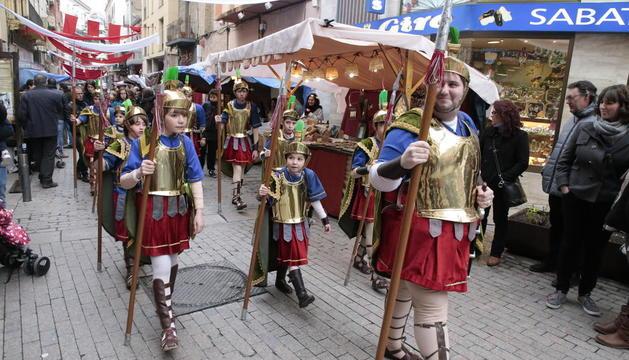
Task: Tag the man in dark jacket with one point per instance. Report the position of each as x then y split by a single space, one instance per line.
209 134
581 99
39 111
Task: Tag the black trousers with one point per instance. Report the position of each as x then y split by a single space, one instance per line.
584 241
210 149
556 229
501 217
81 166
43 152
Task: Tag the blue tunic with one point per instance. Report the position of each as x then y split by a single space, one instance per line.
397 140
193 171
201 120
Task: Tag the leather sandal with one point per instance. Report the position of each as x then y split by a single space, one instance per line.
379 284
407 355
362 266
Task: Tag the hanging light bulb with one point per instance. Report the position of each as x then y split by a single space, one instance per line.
351 71
376 64
318 74
331 73
306 75
296 71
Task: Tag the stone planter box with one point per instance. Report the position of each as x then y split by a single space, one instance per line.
529 233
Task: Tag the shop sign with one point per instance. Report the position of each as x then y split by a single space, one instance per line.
561 17
376 6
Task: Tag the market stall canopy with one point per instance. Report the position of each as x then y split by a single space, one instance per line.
320 47
27 74
200 80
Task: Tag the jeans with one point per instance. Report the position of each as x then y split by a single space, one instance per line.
68 127
3 183
60 128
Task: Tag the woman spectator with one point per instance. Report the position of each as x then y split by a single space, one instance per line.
313 108
132 95
120 98
6 131
511 145
588 176
89 94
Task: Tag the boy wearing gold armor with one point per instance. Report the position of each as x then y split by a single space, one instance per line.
195 126
445 218
358 194
238 117
175 202
292 190
286 136
114 196
88 123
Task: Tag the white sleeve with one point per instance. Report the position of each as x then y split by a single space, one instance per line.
318 208
381 183
130 179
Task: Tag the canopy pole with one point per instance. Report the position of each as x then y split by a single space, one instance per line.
386 56
408 79
277 76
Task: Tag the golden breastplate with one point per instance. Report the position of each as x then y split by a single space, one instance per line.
168 179
448 179
192 119
290 206
278 158
372 157
91 126
238 120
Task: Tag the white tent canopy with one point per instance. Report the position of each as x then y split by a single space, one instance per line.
318 47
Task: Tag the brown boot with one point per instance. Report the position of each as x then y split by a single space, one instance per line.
164 312
619 339
171 283
610 327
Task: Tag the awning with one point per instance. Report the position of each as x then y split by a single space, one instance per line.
27 74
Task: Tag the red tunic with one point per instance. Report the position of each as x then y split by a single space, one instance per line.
122 234
360 200
242 155
437 263
168 235
293 252
88 147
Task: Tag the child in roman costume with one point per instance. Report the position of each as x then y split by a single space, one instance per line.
195 128
175 199
292 190
238 117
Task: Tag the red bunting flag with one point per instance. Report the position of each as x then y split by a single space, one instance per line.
84 74
114 33
93 28
69 24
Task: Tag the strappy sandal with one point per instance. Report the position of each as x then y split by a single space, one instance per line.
391 354
362 265
379 284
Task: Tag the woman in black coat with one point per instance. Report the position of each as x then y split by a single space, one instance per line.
512 147
588 176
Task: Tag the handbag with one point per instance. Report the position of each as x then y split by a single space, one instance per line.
514 194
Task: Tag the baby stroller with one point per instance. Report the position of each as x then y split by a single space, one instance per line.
14 250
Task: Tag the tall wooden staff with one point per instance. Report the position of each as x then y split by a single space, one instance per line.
219 139
99 195
277 115
146 184
74 155
359 235
433 78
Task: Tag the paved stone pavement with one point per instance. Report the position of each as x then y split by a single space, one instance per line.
75 312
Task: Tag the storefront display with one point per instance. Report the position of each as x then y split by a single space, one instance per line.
531 73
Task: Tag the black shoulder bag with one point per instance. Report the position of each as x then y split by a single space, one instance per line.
513 192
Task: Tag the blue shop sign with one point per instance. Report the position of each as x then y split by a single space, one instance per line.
376 6
564 17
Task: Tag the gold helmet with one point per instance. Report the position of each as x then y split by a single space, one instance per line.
379 117
240 84
290 114
186 90
457 66
133 112
297 147
174 99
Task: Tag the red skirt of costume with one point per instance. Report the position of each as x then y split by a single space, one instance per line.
88 147
168 235
241 154
437 263
122 234
360 201
196 141
293 252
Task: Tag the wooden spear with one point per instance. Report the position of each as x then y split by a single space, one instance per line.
359 235
74 155
146 184
277 116
219 141
436 63
99 195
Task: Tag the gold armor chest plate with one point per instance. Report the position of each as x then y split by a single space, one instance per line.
168 179
290 204
91 126
192 119
278 158
238 120
372 157
448 179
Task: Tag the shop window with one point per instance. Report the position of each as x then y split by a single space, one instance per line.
531 73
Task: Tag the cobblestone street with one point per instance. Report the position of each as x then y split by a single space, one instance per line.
75 312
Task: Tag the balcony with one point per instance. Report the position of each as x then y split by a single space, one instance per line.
179 33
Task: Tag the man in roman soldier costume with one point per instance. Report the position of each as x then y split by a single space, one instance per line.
358 194
195 128
88 122
175 202
239 116
116 154
444 221
285 137
292 190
